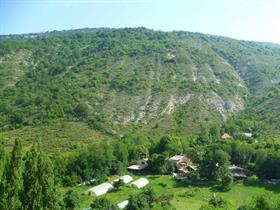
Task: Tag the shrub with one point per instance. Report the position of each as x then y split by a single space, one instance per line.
118 184
217 202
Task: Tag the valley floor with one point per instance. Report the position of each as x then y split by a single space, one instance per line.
186 196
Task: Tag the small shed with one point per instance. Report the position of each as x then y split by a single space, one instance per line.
176 158
226 136
141 165
249 135
126 179
100 189
123 204
273 181
139 183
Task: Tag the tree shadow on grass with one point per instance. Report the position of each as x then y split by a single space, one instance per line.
217 188
258 183
153 177
261 184
200 184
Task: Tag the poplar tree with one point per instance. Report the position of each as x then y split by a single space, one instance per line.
2 157
11 183
39 190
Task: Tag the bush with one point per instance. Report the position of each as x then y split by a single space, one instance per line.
252 180
164 200
187 194
193 175
102 204
118 184
217 202
262 202
163 184
70 181
190 192
81 111
226 182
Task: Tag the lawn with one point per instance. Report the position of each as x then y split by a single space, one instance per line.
165 184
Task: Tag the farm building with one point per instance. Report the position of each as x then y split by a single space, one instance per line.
273 181
123 204
126 179
249 135
226 136
182 166
141 165
100 189
182 163
139 183
240 173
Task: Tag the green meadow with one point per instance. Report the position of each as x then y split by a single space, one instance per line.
186 196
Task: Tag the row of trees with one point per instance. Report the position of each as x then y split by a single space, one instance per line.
213 158
100 160
27 181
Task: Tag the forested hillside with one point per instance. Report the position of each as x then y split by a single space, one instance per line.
110 82
195 116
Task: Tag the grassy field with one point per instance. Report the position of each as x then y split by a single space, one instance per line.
56 138
165 184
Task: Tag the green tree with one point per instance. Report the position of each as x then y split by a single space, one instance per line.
226 181
261 203
11 183
142 200
39 191
270 168
170 145
101 204
118 184
2 156
204 136
157 163
81 111
137 152
71 200
214 133
214 164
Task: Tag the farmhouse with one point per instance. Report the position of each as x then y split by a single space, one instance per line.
100 189
139 183
182 164
240 173
141 165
